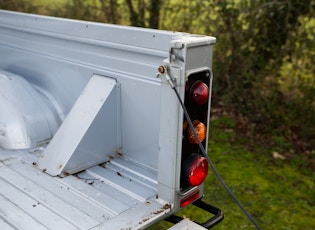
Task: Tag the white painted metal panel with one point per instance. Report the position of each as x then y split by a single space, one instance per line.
4 225
187 224
90 133
27 117
97 197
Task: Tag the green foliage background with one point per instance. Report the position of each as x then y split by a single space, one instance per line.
263 94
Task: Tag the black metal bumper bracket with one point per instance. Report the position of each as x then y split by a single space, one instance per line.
217 218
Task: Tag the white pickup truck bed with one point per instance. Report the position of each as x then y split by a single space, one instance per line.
91 131
110 193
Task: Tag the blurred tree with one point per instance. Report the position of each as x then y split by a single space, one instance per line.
258 38
155 7
109 9
17 5
138 17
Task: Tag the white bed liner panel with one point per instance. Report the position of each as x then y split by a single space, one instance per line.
100 197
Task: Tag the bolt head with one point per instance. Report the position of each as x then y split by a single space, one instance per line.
161 69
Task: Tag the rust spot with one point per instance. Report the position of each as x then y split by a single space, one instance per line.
60 166
66 173
158 212
146 219
34 205
44 170
111 157
103 165
167 206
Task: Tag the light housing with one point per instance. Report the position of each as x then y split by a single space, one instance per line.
197 103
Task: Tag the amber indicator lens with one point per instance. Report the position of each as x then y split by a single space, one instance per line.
199 93
200 130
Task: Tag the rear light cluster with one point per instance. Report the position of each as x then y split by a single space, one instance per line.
194 167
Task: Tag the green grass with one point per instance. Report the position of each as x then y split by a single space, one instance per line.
277 194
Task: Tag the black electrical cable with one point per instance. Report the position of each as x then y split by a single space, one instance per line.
212 165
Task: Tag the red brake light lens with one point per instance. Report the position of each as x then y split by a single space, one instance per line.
199 93
198 171
195 170
189 199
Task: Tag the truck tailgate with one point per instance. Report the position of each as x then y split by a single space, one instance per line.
112 195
